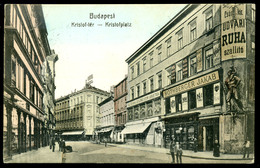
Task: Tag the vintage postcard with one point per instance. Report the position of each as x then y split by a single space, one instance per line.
129 83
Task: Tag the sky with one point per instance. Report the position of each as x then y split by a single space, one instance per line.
99 50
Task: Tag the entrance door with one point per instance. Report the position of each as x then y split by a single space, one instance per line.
209 138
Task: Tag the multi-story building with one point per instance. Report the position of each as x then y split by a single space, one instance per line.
107 120
77 113
120 93
25 49
48 76
196 77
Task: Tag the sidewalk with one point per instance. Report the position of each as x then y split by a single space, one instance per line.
187 153
42 155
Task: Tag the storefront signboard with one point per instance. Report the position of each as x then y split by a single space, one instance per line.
144 99
192 84
233 31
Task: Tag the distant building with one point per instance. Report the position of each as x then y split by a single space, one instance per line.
77 113
107 120
26 48
120 96
193 81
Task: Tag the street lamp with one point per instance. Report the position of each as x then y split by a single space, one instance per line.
180 140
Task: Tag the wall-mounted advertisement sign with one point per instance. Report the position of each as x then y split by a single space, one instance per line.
216 90
184 97
233 31
199 97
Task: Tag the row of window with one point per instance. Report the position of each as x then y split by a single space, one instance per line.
202 59
17 22
25 83
152 56
76 101
63 115
69 125
120 119
120 89
107 120
201 97
144 110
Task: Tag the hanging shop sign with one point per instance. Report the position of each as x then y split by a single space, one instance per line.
216 89
192 84
233 31
199 97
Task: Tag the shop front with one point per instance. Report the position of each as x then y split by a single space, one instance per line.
182 128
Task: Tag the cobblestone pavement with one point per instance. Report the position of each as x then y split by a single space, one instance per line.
87 152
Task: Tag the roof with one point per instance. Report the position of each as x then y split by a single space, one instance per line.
106 100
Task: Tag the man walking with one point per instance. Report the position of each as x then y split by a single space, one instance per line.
53 144
178 153
172 150
246 148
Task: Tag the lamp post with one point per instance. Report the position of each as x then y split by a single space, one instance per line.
180 140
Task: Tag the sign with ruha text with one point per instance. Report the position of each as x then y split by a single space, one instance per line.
195 83
233 31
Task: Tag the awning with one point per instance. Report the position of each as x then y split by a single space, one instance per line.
73 133
137 128
104 130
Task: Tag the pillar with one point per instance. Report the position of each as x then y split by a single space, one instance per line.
9 129
19 131
30 133
25 132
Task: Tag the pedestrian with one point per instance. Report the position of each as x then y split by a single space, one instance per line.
178 152
60 143
105 142
63 145
195 145
63 156
172 150
50 142
246 147
53 144
216 148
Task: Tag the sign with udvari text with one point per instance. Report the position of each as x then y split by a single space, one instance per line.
233 31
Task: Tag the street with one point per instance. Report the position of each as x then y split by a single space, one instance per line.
86 152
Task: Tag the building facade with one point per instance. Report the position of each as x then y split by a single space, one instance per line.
48 76
77 113
120 97
25 49
107 120
196 70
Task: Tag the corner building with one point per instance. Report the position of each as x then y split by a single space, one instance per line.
77 114
194 80
26 48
